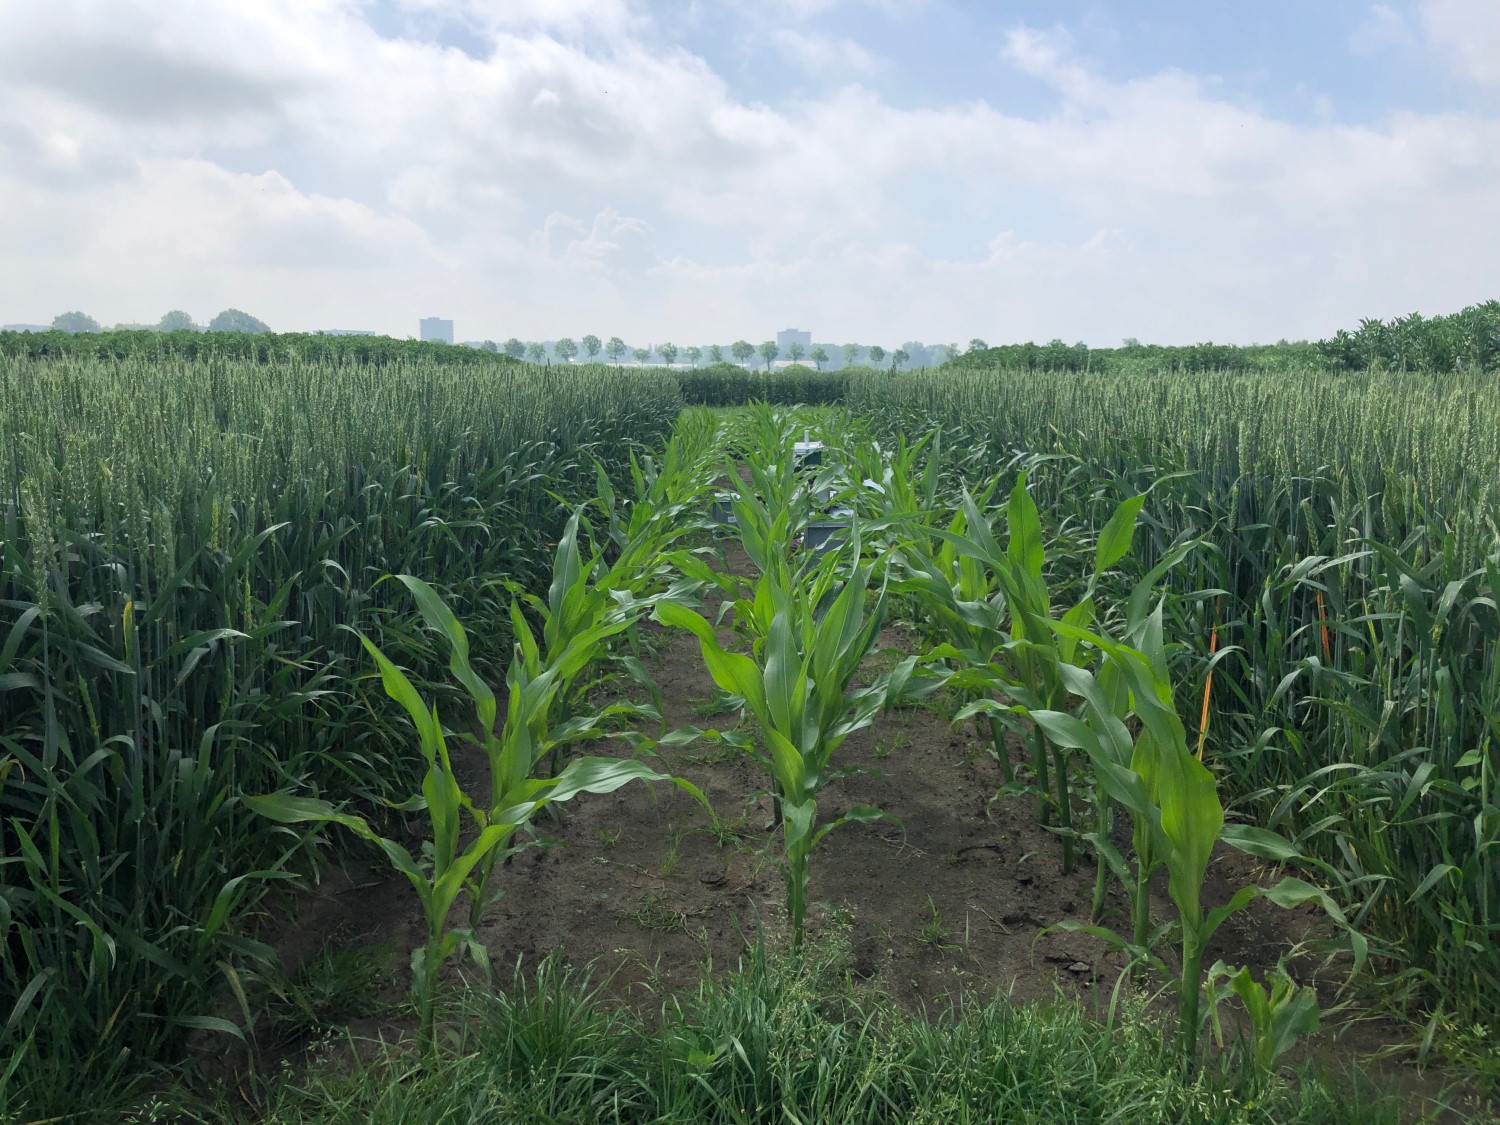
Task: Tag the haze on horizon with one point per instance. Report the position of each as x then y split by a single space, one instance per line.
874 170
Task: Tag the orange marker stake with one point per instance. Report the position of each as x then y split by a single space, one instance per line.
1208 684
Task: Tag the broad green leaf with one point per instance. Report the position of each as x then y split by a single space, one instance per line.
1025 526
441 619
1260 842
1114 540
732 671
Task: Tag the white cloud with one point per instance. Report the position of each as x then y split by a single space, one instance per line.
288 159
809 9
824 54
1468 31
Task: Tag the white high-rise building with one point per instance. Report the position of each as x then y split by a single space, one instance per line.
436 328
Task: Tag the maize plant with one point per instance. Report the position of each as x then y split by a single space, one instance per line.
465 867
1279 1016
799 688
1345 571
995 609
1172 800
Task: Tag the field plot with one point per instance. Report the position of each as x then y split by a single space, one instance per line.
892 708
1347 574
184 547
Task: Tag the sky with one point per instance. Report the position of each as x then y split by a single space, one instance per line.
697 170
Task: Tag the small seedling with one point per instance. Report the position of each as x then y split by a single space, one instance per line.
933 931
726 833
653 913
673 857
884 747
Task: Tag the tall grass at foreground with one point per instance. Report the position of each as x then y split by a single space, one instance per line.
797 1040
185 549
1350 578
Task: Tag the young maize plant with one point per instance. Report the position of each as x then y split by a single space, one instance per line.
458 867
615 583
771 510
798 686
1171 798
1278 1016
995 608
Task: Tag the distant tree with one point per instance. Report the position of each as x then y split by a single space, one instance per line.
514 348
742 350
75 322
1130 342
819 356
536 352
565 349
615 349
692 353
176 321
668 352
952 350
233 320
877 353
490 346
916 353
591 345
851 353
715 354
641 354
768 352
795 351
898 357
977 345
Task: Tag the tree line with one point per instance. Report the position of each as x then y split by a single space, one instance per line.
1468 340
230 320
1465 340
591 348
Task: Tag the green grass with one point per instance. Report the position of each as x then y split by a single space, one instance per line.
185 548
779 1041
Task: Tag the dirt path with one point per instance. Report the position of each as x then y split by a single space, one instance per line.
645 882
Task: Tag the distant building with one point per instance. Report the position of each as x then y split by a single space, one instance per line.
347 332
436 328
789 336
25 328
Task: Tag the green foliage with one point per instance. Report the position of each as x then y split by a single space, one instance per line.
246 340
176 321
233 320
1278 1017
1465 341
1343 598
176 597
451 866
726 384
783 1039
70 322
811 623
